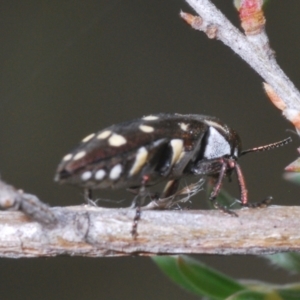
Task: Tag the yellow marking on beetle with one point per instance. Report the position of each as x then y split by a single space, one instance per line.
146 128
140 160
115 172
184 126
79 155
177 147
117 140
150 118
103 135
100 174
89 137
67 157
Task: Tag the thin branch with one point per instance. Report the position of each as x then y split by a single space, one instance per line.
254 49
89 231
38 230
30 228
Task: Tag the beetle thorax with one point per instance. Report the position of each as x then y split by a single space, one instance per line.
216 144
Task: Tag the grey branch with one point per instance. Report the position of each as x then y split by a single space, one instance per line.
88 231
255 50
38 230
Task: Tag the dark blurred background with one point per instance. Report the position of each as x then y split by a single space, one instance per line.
69 68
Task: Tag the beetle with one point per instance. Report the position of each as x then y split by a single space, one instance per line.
156 148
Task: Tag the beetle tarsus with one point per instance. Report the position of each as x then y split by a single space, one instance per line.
138 201
224 209
262 204
136 219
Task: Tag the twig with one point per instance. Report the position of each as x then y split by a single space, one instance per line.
30 205
38 230
253 48
90 231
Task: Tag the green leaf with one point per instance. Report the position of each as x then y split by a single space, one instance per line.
289 292
198 278
271 291
168 264
206 282
268 292
289 261
250 295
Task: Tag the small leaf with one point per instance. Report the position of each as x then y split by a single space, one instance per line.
198 278
251 295
168 265
290 292
271 291
289 261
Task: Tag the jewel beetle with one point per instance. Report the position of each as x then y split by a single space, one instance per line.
156 148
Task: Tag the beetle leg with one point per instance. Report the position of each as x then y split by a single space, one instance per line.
88 194
166 198
218 184
135 191
88 197
168 194
137 203
244 192
261 204
224 209
138 199
242 184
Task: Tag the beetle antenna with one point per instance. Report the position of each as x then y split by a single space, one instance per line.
268 147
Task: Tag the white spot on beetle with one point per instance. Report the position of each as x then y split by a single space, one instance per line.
217 145
177 147
89 137
86 175
100 174
140 160
117 140
67 157
146 128
115 172
184 126
103 135
150 118
79 155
